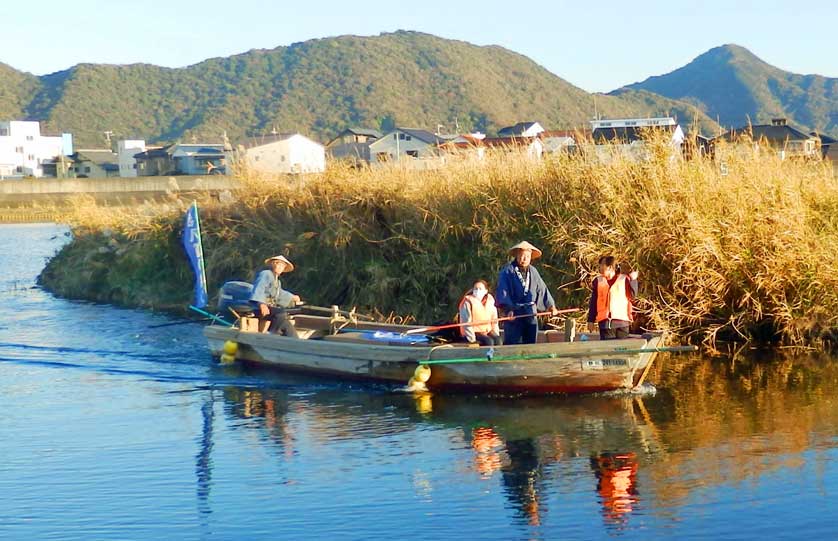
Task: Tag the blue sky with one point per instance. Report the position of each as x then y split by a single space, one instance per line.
598 46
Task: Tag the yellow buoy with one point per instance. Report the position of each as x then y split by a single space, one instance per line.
227 359
422 373
424 403
414 386
231 348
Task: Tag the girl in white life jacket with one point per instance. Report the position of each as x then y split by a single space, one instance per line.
478 305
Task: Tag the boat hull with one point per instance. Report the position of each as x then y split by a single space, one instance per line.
559 367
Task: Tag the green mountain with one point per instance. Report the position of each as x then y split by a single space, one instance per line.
732 84
318 88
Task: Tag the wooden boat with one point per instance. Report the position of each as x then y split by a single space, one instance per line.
383 353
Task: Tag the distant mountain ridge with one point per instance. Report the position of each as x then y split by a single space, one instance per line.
734 85
318 87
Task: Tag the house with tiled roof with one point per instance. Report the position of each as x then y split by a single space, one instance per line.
531 146
467 145
409 147
829 149
95 163
182 159
779 136
352 144
521 129
563 140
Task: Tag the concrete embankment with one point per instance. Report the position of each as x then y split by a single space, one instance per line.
35 200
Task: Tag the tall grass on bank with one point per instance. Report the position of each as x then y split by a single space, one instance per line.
743 254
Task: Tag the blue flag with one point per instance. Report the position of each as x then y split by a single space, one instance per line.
195 253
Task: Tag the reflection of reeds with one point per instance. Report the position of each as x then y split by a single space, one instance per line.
738 418
742 253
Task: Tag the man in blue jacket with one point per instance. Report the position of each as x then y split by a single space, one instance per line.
522 292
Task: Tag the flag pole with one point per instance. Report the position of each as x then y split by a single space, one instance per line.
200 247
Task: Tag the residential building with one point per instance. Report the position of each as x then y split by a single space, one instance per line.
23 149
59 167
95 163
155 161
182 159
352 144
778 136
408 147
521 129
829 149
199 159
466 146
126 150
531 146
562 140
284 153
626 135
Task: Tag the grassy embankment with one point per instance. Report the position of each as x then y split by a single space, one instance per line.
742 254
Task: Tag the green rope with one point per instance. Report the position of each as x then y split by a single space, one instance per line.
548 356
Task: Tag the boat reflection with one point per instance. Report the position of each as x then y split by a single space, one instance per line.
526 444
716 421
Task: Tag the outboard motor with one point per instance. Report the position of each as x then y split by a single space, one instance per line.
234 296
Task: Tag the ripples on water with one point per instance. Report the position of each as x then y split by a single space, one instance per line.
112 429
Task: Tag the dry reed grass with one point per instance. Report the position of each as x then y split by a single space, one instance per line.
742 254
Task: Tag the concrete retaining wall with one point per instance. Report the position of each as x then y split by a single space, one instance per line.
55 191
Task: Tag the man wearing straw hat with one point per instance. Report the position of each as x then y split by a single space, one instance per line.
270 300
521 294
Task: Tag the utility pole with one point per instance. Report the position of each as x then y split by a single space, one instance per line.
108 134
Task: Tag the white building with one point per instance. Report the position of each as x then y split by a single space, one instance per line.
626 135
23 149
284 153
125 151
531 147
407 147
560 140
521 129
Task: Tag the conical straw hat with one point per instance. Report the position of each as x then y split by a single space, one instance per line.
288 265
524 245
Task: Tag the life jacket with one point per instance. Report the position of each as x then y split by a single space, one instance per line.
612 301
479 312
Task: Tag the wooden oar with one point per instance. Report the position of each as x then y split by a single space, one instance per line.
473 323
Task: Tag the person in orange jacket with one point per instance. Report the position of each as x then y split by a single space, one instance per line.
612 293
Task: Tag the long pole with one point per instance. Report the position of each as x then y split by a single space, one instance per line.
201 248
210 316
472 323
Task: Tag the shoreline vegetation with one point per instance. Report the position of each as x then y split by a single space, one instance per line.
728 249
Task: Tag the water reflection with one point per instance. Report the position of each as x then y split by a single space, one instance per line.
524 446
714 422
616 475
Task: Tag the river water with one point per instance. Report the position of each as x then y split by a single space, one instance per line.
112 428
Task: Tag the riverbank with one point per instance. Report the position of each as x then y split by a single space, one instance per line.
734 251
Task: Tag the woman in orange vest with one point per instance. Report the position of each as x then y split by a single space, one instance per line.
610 308
478 306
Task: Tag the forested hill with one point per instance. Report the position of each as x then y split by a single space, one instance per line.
734 85
318 88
